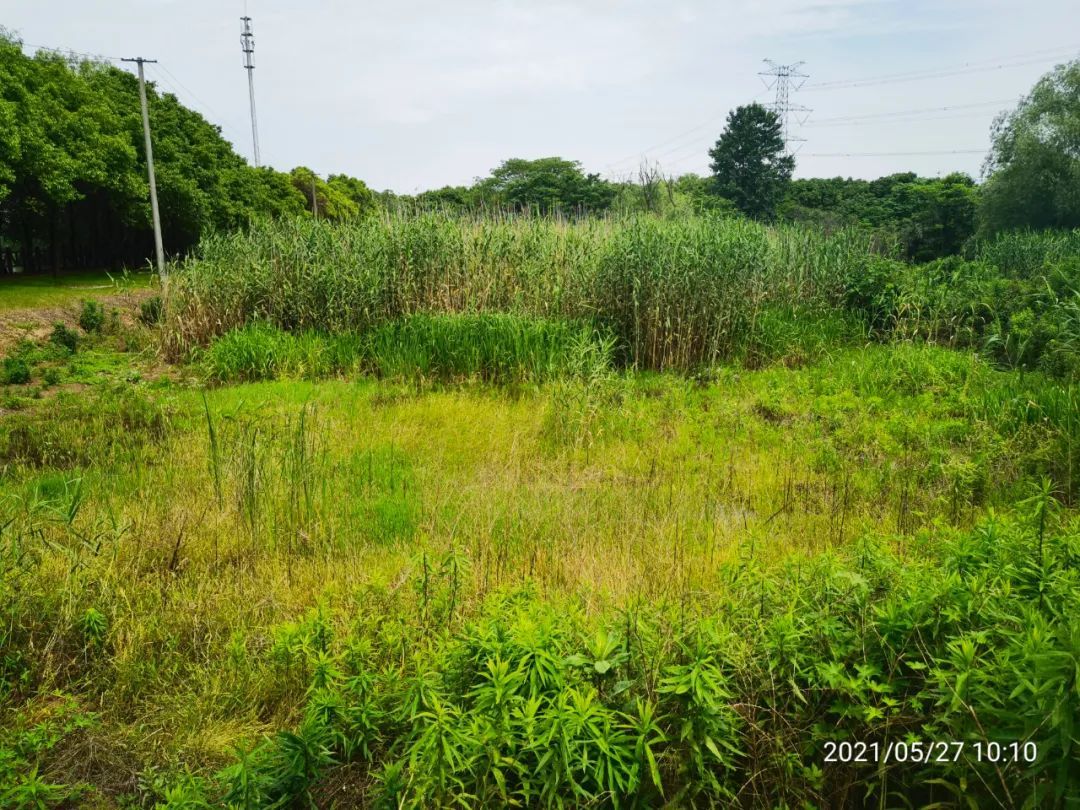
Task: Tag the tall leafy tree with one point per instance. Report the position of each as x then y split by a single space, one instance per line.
73 188
356 191
749 163
546 185
930 216
1033 167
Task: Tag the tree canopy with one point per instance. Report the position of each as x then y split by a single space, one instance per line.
546 185
1034 163
73 188
931 216
749 164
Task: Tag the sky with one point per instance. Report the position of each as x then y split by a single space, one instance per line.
417 94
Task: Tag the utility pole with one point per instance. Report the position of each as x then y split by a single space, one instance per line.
247 45
784 77
159 250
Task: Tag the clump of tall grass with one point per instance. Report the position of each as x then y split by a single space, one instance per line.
263 352
485 346
676 293
1024 253
491 347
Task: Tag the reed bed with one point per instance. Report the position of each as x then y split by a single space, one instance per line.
675 293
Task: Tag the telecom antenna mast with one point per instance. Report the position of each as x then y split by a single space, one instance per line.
247 45
786 78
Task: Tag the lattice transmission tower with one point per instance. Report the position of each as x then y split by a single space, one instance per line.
785 79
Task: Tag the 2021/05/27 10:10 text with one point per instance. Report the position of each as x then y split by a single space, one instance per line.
925 751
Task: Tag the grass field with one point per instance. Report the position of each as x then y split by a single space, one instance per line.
20 292
483 558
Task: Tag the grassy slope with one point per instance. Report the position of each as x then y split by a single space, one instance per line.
19 292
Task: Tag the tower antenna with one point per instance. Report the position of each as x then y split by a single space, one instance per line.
247 45
786 78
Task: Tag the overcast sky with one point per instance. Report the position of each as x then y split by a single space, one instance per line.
415 94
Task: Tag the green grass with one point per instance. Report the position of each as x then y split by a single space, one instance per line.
523 512
21 292
343 571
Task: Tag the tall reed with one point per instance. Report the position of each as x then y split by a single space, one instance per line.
675 293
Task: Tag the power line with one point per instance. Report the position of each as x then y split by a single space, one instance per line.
899 78
914 119
898 154
165 75
978 64
846 119
179 86
681 136
99 57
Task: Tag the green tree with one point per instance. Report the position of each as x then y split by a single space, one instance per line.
73 189
355 190
931 217
332 200
546 185
749 164
934 217
1033 168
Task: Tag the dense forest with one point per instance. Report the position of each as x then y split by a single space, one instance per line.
73 188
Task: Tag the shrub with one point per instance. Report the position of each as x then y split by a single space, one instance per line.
92 317
15 371
63 337
150 311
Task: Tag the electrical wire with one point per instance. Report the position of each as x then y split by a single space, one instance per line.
182 89
897 154
899 78
845 119
99 57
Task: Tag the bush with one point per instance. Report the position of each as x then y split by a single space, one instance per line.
15 371
92 317
63 337
150 311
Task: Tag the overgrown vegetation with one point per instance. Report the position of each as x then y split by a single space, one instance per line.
675 294
443 595
507 504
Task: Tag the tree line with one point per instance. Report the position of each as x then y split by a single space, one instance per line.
73 189
1032 182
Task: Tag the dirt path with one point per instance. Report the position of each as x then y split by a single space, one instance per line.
37 322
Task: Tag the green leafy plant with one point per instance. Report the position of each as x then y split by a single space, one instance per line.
14 371
64 337
91 317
